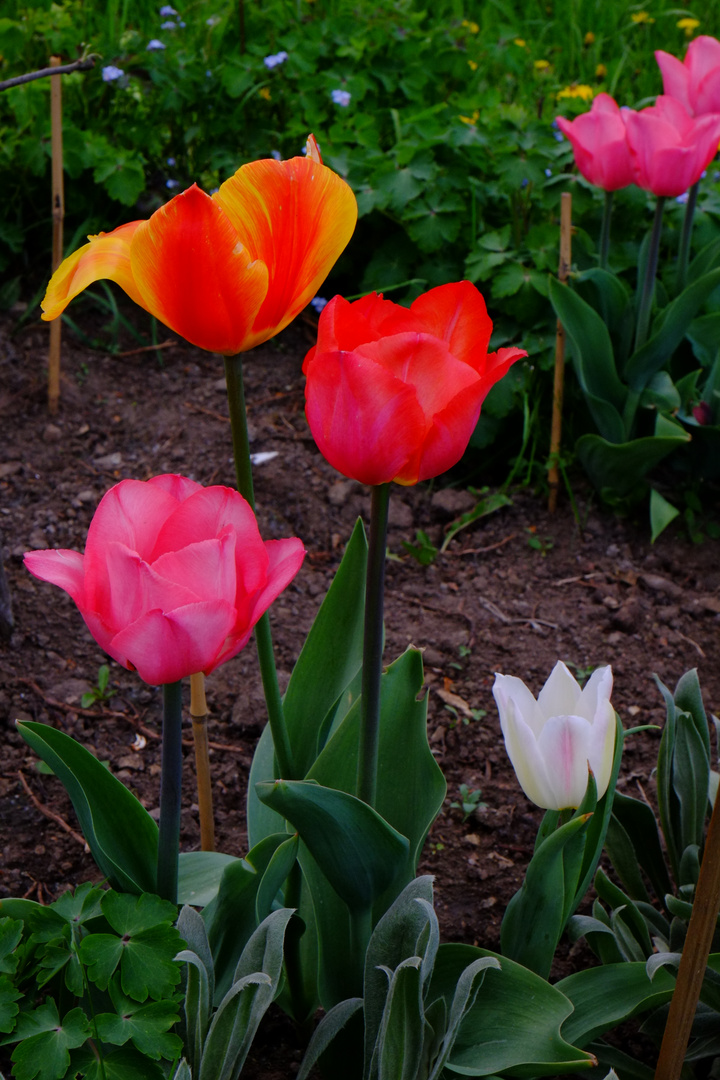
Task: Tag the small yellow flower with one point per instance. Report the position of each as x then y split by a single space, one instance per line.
577 90
519 42
541 65
641 17
470 119
601 71
589 38
265 93
472 65
471 26
688 25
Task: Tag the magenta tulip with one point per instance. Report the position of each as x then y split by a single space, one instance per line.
694 82
394 393
598 141
670 149
174 576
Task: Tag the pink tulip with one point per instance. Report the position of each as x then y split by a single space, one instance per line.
394 393
598 141
695 82
670 150
174 575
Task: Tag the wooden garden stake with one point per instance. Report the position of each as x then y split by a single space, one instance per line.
199 714
693 961
58 213
556 430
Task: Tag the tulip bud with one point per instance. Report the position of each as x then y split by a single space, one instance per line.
552 742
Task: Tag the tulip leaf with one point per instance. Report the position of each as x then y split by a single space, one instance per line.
622 467
230 918
332 1022
598 825
120 833
604 997
536 915
200 874
638 822
669 329
278 869
704 336
359 853
704 261
613 296
321 685
499 1032
331 655
593 359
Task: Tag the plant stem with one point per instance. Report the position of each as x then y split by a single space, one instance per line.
263 636
360 930
684 248
605 230
648 286
170 789
373 647
199 716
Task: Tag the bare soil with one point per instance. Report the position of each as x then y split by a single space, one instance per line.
589 595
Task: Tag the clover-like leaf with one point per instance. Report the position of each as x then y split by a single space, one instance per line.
147 1025
10 934
46 1041
81 905
123 1064
143 947
8 1009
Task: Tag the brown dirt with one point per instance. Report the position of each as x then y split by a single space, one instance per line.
600 594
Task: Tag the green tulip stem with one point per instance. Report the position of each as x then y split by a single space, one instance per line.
361 928
648 285
373 647
684 248
263 636
170 793
605 230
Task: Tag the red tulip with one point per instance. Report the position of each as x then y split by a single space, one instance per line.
226 271
695 82
174 575
598 141
670 150
394 394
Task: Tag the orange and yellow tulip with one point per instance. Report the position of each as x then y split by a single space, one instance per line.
226 271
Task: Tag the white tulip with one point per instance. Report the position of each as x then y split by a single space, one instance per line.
553 741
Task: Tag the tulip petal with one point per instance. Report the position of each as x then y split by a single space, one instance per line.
296 217
561 693
564 744
164 647
509 689
456 314
675 77
106 256
284 559
206 568
132 587
180 487
61 567
527 760
195 274
364 419
343 326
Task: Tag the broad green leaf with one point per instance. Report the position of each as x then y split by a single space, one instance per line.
661 394
705 261
9 995
320 676
688 697
501 1033
358 851
230 918
618 901
623 857
120 833
621 467
691 778
144 946
278 869
704 335
11 930
536 915
123 1064
602 997
147 1025
593 359
612 293
662 513
44 1051
495 241
199 876
264 950
668 331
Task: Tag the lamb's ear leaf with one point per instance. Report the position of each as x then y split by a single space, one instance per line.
120 833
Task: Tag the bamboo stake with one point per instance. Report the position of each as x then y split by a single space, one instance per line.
694 957
199 714
58 213
558 384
